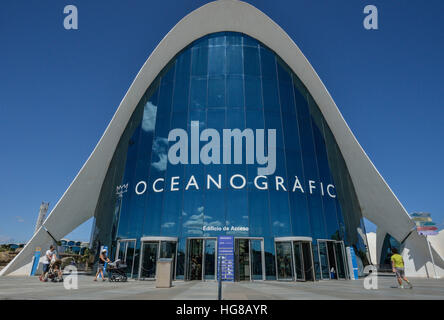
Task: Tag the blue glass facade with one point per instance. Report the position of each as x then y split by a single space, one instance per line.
227 81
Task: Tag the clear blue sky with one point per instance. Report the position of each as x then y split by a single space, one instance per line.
59 89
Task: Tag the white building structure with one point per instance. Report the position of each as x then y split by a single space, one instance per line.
376 200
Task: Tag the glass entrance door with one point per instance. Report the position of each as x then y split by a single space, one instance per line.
307 256
126 252
210 259
249 259
242 256
332 259
284 261
323 259
201 259
195 259
149 260
298 261
294 259
257 259
152 249
340 256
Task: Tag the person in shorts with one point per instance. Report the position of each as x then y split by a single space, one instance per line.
102 260
398 268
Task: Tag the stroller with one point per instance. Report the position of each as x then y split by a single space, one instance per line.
116 271
54 272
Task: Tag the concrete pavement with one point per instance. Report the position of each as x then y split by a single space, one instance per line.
32 288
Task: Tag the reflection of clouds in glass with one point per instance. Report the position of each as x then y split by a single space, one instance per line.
149 117
196 222
278 224
194 232
160 149
168 224
244 217
215 223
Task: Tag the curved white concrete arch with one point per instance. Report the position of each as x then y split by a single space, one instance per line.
377 201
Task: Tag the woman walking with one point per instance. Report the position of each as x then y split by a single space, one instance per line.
102 260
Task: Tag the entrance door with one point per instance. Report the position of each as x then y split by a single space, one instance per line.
294 259
257 259
298 261
201 259
242 256
340 256
307 255
126 249
149 260
209 259
284 260
332 259
152 249
249 259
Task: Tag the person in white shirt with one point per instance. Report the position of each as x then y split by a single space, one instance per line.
46 261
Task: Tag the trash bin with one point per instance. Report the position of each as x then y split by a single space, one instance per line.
164 276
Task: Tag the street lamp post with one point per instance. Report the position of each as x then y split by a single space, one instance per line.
120 190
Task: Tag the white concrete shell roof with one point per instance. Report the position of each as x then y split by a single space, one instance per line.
78 203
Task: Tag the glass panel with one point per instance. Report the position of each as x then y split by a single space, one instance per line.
210 259
284 262
308 261
316 266
149 260
167 249
216 60
323 256
340 260
180 264
270 262
130 258
332 260
243 259
256 259
298 261
216 93
199 61
121 252
195 248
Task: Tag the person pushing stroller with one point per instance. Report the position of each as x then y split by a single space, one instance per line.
51 266
102 260
55 271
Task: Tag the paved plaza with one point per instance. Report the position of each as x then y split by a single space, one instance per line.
32 288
